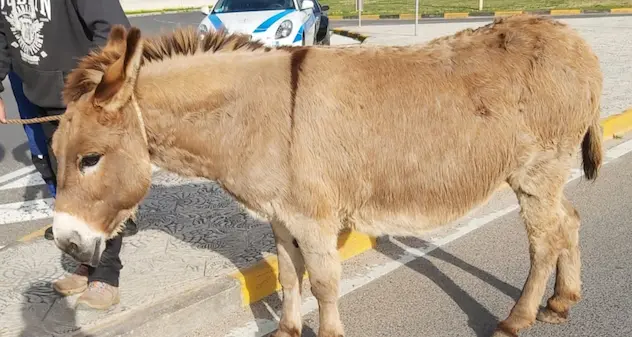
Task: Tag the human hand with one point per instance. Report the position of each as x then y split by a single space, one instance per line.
3 114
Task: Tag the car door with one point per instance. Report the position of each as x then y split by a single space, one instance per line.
310 23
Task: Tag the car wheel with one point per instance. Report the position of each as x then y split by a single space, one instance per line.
327 40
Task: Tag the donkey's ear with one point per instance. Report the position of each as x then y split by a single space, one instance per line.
116 39
119 79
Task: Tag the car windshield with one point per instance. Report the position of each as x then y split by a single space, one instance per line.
232 6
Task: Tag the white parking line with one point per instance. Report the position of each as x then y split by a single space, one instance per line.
261 327
26 211
41 208
16 174
33 179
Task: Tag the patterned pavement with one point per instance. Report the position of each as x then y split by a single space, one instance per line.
190 231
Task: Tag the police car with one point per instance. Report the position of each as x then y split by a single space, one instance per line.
272 22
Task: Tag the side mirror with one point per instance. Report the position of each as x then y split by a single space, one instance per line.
308 4
205 10
324 8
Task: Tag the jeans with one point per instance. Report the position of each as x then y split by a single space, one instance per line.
37 134
40 140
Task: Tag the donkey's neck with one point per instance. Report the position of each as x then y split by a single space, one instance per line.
221 117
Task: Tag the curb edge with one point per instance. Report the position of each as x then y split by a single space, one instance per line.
260 279
350 34
219 296
615 125
484 14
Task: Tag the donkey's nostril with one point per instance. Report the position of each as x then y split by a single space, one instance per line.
72 248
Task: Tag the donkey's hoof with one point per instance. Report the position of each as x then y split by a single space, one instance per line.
549 316
286 333
505 330
501 333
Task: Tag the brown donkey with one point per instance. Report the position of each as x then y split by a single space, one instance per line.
383 140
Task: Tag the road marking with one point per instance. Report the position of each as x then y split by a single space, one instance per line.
26 211
261 327
619 150
17 173
20 211
33 179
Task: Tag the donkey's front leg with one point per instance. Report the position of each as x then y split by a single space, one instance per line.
318 244
291 271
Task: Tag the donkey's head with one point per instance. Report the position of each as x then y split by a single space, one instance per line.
104 169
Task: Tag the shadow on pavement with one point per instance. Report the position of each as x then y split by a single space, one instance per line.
22 154
480 320
44 313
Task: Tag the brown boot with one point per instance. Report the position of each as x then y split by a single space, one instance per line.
99 295
74 283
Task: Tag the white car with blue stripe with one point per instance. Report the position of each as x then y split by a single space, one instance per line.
272 22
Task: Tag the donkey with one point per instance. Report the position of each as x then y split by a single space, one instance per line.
382 140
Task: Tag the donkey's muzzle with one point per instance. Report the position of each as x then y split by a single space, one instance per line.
75 238
83 252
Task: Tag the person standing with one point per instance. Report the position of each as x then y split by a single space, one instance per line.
36 138
41 42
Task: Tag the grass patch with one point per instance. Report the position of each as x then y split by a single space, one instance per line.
162 10
347 7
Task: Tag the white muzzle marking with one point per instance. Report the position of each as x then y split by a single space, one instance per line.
69 230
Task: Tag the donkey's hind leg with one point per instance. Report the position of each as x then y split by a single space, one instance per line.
539 189
568 281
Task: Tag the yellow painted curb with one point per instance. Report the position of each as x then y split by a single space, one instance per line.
261 279
617 124
621 10
34 235
565 11
408 17
335 17
455 15
507 13
371 17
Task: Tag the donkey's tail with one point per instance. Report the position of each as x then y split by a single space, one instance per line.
592 150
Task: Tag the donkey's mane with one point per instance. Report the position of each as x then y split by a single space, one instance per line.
182 41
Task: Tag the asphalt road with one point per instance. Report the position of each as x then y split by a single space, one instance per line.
20 187
463 287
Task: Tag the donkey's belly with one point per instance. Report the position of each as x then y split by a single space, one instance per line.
415 204
396 225
413 221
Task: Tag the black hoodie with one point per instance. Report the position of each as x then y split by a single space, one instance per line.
42 41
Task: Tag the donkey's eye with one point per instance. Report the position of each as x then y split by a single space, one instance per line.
89 160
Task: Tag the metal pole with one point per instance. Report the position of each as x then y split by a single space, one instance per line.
417 15
361 4
480 5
